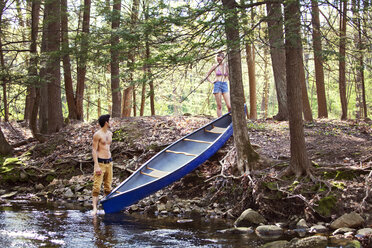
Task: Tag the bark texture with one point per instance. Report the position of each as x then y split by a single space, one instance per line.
299 163
246 156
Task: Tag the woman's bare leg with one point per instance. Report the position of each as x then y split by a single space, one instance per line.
219 103
226 97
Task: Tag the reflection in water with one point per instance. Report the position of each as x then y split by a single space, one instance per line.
27 225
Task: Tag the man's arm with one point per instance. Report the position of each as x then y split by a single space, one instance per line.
97 169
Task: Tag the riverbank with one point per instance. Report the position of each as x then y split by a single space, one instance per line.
60 170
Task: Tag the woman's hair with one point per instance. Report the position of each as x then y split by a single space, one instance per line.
103 119
221 54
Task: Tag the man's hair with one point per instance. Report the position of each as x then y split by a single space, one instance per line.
103 119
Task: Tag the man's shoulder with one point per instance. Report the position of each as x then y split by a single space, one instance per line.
97 134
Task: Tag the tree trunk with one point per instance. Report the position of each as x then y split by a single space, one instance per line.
265 95
252 81
5 148
3 72
129 92
299 163
55 118
32 68
277 51
318 60
69 90
246 156
148 66
82 61
305 99
115 81
342 59
361 108
127 100
42 87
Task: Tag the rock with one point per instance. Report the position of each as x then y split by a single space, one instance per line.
344 242
343 230
176 210
318 229
238 230
249 217
134 208
185 221
365 232
9 195
39 186
68 193
301 224
348 220
269 232
23 176
276 244
160 207
313 242
163 199
169 206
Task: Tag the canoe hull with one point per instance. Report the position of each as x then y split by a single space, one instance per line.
115 203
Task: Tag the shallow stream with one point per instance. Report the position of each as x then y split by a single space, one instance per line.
25 224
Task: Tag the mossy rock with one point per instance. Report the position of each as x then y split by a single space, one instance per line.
326 205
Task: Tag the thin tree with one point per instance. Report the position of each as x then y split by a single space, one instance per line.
277 52
318 60
115 81
69 90
246 155
3 73
33 60
359 82
129 92
299 163
342 59
249 48
82 60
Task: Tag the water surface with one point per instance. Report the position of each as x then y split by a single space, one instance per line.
25 224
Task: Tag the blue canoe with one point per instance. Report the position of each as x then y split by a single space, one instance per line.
170 164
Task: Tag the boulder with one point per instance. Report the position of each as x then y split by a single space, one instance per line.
68 193
365 232
249 217
269 232
318 229
348 220
276 244
313 242
301 224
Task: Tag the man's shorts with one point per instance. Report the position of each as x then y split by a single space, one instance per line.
105 178
220 87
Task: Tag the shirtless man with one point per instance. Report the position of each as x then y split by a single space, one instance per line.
102 160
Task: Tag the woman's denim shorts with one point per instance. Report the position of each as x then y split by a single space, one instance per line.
220 87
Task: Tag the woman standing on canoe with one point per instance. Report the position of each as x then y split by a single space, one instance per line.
220 88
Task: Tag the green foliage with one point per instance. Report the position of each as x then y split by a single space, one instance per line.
339 185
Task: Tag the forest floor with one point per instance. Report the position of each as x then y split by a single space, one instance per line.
340 151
